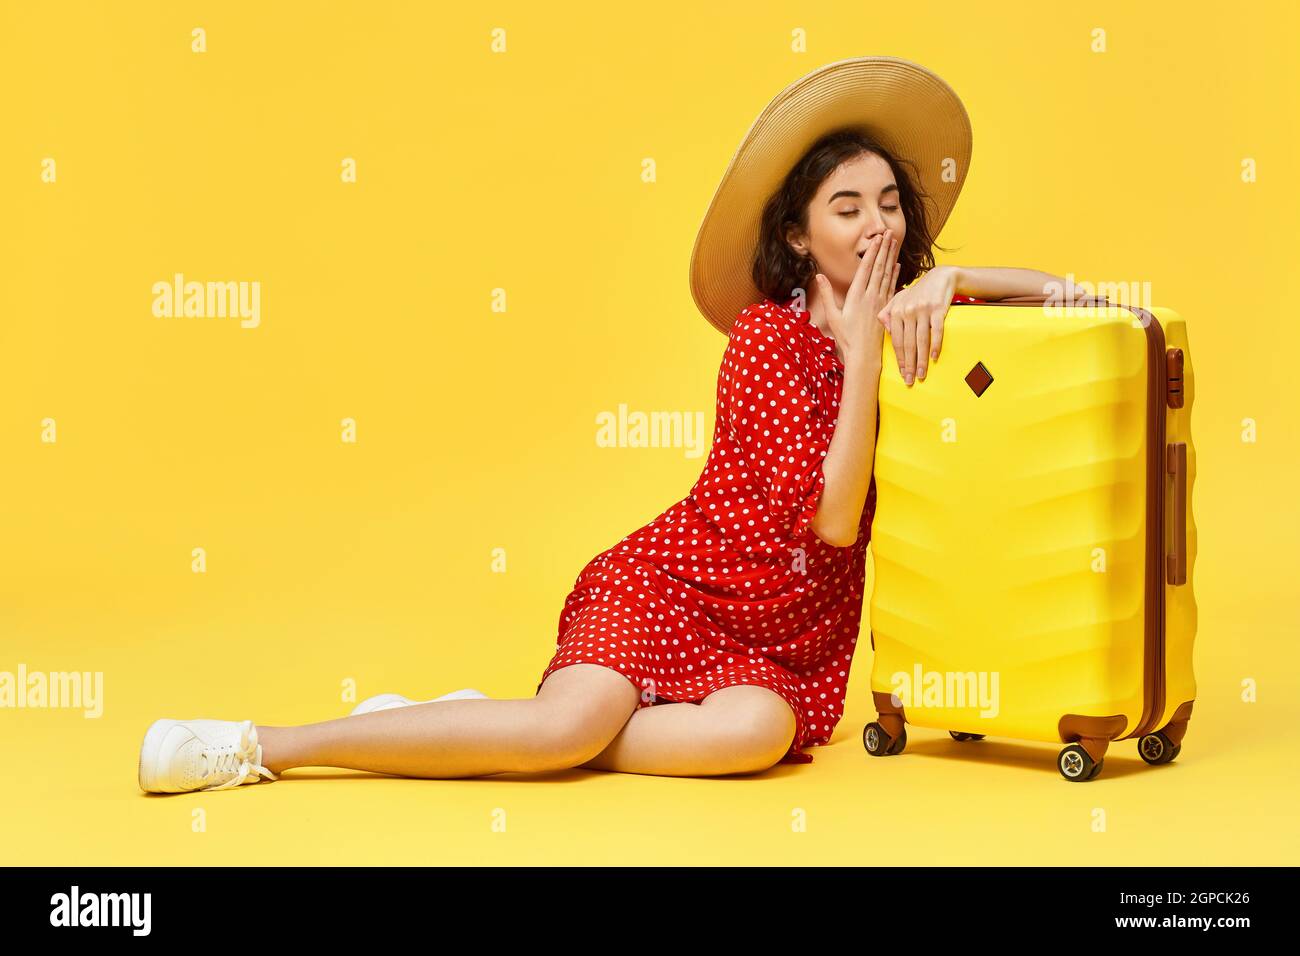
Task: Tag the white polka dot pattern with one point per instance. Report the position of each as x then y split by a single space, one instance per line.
729 585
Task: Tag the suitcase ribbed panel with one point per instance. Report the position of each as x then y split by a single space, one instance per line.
1011 530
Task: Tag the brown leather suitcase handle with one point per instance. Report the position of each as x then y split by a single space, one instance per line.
1176 466
1041 299
1174 377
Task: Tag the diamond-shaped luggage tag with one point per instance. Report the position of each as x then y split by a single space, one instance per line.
979 379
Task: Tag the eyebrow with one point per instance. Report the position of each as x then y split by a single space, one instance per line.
892 187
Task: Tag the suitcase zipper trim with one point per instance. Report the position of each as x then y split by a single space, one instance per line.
1157 404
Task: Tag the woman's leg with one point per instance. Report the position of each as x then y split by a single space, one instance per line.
740 729
577 711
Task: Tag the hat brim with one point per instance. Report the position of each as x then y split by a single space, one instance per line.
912 113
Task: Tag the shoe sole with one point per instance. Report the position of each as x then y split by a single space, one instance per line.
378 702
392 701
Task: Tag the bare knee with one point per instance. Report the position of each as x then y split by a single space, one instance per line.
579 710
759 734
766 744
567 735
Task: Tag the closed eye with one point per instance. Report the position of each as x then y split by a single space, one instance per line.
854 212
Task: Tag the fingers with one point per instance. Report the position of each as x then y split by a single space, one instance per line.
884 314
896 337
863 273
909 348
885 267
884 264
922 347
936 338
893 293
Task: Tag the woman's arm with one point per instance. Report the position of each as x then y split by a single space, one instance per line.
1003 282
915 315
850 456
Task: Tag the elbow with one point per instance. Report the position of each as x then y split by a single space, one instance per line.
836 537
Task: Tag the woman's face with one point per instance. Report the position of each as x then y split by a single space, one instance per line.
856 202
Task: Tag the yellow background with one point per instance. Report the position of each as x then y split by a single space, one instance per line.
476 430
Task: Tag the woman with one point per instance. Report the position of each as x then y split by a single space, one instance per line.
717 639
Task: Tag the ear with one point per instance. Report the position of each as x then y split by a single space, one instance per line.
795 240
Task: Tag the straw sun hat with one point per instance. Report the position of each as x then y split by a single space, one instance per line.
906 108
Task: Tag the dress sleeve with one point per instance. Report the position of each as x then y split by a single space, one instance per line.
772 422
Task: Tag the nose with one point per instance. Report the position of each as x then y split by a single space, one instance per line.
878 228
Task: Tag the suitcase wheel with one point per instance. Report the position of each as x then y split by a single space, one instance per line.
1076 765
962 735
878 743
899 743
1157 749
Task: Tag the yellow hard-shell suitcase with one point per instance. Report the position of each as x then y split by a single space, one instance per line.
1033 536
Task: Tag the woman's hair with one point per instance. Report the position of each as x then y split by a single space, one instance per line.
779 270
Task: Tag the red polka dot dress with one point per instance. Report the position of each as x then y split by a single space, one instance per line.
730 585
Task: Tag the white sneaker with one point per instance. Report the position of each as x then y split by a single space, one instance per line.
390 701
182 755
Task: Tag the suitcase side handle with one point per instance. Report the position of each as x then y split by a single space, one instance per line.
1176 466
1080 301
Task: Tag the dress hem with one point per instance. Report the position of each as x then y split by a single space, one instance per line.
795 753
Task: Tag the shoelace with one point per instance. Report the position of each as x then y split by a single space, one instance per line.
238 760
